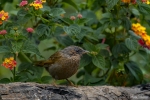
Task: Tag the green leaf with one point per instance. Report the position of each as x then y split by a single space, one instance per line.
68 21
72 30
133 34
126 23
104 52
64 40
70 2
107 15
46 9
24 66
144 8
30 71
102 46
85 60
21 13
135 12
43 29
16 46
90 15
88 79
91 47
5 80
46 79
50 48
92 37
5 49
57 12
83 20
99 61
29 47
131 44
105 20
114 62
111 3
131 67
120 49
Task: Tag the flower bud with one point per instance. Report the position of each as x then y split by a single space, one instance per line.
72 17
79 16
29 30
23 3
3 32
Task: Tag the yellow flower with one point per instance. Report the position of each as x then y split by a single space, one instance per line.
9 63
126 1
37 4
141 31
6 60
148 2
43 1
3 16
11 58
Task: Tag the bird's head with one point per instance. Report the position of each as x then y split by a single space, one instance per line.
74 50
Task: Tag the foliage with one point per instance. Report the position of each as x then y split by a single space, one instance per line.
103 27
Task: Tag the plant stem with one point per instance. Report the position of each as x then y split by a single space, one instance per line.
23 57
14 73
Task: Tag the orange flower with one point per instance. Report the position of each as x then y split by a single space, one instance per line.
126 1
37 4
3 16
43 1
9 63
141 31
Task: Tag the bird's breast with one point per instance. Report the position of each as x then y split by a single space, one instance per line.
64 67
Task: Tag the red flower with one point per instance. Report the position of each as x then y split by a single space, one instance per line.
72 17
144 0
103 40
23 3
133 1
79 16
9 63
3 32
29 30
141 42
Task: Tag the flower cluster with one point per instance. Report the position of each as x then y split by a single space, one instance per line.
9 63
3 32
129 1
134 1
37 4
145 1
3 16
141 31
30 30
23 3
126 1
78 16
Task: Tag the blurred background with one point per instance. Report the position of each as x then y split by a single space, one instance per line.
93 11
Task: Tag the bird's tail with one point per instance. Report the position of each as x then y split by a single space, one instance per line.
42 63
39 63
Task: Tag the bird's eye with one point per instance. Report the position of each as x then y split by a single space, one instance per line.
78 50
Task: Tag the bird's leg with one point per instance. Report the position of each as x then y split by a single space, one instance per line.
53 83
70 83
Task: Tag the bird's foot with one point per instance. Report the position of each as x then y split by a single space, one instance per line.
54 84
71 84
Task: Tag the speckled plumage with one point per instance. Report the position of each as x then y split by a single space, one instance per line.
64 63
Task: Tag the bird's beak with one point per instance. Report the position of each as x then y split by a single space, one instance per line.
85 51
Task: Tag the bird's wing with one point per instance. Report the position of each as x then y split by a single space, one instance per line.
52 59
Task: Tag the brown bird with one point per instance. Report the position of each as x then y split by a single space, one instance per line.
64 63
